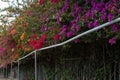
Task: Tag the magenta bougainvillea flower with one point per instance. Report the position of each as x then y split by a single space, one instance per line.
103 16
90 24
115 0
95 24
63 29
115 28
43 28
58 18
110 17
75 27
112 41
65 6
70 34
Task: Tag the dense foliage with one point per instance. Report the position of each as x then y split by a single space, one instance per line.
46 22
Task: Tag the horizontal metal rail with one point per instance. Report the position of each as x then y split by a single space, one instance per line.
76 37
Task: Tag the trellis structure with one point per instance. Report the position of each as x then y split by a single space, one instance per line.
60 44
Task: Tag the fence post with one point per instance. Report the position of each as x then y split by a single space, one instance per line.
6 72
18 70
35 56
11 70
3 73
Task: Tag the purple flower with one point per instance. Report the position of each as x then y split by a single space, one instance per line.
115 28
107 5
65 6
103 16
47 19
112 41
90 24
115 0
98 6
76 10
76 41
93 2
63 29
76 5
73 22
58 18
88 14
103 11
95 24
70 34
92 15
77 19
75 27
110 17
74 14
43 28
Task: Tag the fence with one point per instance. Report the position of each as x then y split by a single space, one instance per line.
83 74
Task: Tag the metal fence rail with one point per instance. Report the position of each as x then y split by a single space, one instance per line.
63 43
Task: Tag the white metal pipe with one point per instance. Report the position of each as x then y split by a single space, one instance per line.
24 56
18 70
35 56
76 37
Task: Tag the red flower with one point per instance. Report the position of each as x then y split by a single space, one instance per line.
37 46
54 1
32 42
38 43
43 37
56 37
40 2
